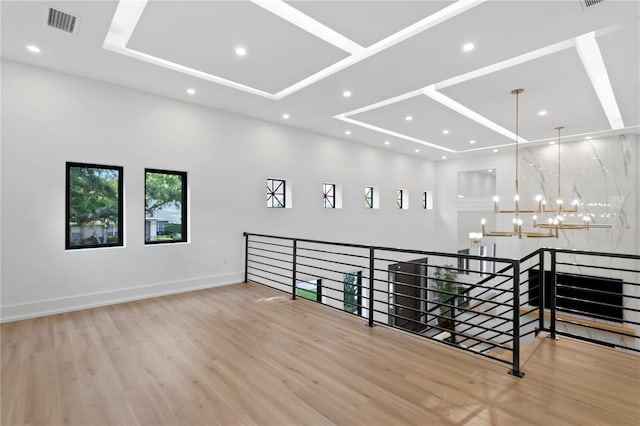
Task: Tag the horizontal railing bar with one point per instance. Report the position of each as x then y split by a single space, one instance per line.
535 320
597 253
453 296
609 305
596 291
271 244
442 341
468 287
269 264
382 248
334 307
270 251
320 268
606 268
537 265
503 321
269 272
337 253
439 328
599 342
271 279
531 255
486 341
361 267
589 314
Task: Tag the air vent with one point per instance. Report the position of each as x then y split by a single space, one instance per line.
62 21
589 3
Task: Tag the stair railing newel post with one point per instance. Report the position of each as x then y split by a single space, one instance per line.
246 257
541 292
515 369
293 273
371 284
552 295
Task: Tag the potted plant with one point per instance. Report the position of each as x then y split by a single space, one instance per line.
446 290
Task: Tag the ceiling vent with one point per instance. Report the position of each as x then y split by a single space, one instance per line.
589 3
62 21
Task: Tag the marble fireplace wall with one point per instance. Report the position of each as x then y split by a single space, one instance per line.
602 174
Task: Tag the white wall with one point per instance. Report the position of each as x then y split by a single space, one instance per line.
49 118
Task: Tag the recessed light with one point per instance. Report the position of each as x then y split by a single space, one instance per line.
551 142
387 142
495 149
542 112
472 142
347 132
444 157
417 150
346 93
588 138
241 51
408 118
468 47
191 91
285 116
33 49
445 132
490 170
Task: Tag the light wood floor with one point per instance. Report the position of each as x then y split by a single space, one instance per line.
246 354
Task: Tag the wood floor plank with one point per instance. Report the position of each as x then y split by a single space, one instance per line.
249 355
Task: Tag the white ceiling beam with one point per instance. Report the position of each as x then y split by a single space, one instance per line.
591 58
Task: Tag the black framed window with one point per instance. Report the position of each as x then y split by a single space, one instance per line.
329 195
368 197
165 207
93 211
427 200
400 198
276 193
353 292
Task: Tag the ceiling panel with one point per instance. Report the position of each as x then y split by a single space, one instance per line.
555 83
368 22
621 53
203 35
430 118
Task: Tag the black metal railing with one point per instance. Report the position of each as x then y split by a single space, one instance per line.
444 296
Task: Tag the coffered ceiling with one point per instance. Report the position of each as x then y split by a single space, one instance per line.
414 88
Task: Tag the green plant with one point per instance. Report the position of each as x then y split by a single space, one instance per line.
446 288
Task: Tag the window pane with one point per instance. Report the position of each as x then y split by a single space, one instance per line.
368 197
275 193
94 206
165 206
329 195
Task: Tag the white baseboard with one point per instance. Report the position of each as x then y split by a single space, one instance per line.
93 300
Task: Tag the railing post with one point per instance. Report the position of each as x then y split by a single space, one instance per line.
541 292
293 275
552 296
371 284
246 257
515 368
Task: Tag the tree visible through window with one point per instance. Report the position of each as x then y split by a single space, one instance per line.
165 206
93 206
329 195
353 292
276 194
